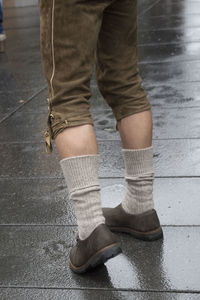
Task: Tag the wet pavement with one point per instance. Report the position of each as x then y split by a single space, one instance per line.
37 221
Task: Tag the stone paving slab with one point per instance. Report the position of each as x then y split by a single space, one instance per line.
16 82
174 22
55 294
37 256
11 95
20 12
46 201
176 7
29 127
34 79
179 157
21 44
170 72
144 6
169 53
19 3
26 74
10 100
173 35
22 19
7 79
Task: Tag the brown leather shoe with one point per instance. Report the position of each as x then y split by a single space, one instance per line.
100 246
144 226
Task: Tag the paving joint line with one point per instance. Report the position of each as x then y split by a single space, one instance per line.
20 7
100 177
104 289
169 43
173 15
21 105
167 28
75 225
171 62
147 9
167 61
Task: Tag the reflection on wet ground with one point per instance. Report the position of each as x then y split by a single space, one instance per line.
37 221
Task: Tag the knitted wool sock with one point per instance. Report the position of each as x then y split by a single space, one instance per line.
81 175
139 175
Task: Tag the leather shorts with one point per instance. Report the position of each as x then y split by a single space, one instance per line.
75 36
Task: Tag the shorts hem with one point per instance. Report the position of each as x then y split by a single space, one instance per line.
67 124
120 115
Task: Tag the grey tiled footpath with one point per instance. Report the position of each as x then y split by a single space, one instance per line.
37 221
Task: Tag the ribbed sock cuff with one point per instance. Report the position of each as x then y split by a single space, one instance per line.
81 171
138 161
139 175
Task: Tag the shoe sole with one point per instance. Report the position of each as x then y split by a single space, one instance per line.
98 258
145 236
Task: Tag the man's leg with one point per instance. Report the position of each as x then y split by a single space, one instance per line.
136 136
69 31
120 84
79 160
136 130
76 141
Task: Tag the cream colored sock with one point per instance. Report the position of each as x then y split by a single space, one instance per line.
139 175
81 175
